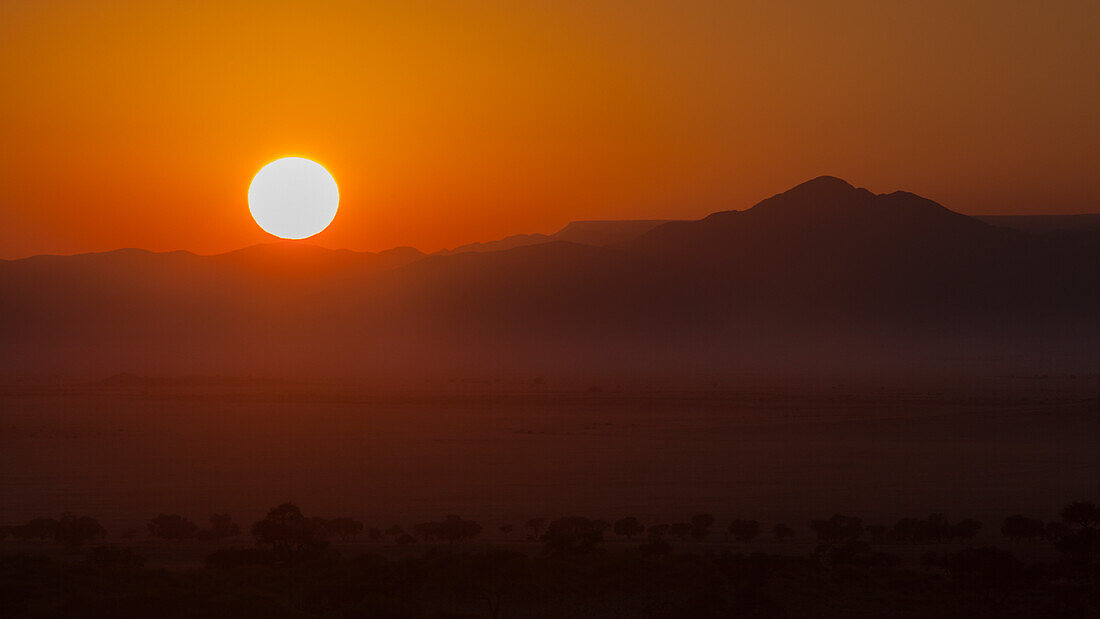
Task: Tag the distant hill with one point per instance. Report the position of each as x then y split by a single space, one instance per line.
1044 223
824 276
597 233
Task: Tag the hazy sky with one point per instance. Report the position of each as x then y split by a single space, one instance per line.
141 124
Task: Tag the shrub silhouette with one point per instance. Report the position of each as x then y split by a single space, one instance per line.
221 527
744 530
535 526
933 530
172 527
837 528
573 535
857 553
405 539
657 532
681 530
344 528
1019 528
451 529
628 527
782 532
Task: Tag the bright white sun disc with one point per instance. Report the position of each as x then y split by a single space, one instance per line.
293 198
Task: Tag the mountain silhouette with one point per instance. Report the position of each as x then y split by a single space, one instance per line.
1045 223
824 275
595 232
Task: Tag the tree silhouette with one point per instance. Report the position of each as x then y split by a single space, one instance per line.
933 530
1080 532
628 527
75 530
171 527
286 530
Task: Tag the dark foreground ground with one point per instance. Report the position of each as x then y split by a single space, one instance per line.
834 580
927 478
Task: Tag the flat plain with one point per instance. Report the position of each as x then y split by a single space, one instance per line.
499 453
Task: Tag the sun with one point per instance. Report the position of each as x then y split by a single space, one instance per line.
293 198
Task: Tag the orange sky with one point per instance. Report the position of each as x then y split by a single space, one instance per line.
141 124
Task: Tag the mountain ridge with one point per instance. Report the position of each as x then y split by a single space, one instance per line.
823 274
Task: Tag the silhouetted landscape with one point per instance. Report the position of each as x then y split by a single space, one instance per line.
833 403
823 278
539 310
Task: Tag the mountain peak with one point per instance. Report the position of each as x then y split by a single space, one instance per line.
826 189
824 182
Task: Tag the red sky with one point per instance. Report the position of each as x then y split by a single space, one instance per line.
141 124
